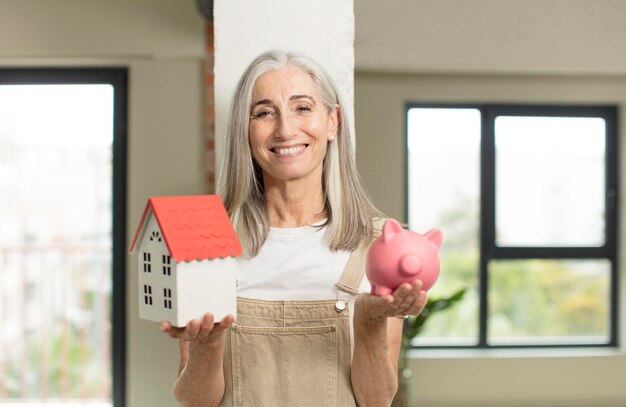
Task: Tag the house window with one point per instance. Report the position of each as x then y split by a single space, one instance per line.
167 267
155 235
167 298
63 236
147 266
526 197
147 295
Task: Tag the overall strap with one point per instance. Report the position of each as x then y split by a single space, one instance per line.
353 272
355 267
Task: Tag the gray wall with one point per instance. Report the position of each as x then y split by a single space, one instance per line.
491 36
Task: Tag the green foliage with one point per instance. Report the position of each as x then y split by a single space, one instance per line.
412 328
415 325
535 298
528 298
65 365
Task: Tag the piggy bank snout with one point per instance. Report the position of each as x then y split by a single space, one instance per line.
410 265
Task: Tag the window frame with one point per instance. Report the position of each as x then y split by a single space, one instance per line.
117 77
487 236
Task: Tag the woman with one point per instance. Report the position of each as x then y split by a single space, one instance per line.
304 336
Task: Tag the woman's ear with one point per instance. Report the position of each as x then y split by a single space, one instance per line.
335 119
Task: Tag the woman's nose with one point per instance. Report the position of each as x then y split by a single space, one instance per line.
286 126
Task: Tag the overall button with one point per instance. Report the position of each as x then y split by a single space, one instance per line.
340 305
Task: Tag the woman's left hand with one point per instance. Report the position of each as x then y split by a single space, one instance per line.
407 299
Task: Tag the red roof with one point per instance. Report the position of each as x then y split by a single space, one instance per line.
194 227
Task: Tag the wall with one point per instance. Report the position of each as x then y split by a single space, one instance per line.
165 158
491 36
162 44
487 378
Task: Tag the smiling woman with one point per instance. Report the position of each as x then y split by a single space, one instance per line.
307 95
308 332
290 131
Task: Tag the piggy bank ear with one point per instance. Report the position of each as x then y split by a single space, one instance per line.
391 228
435 236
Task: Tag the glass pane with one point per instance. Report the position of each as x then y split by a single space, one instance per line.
443 192
55 243
549 301
550 181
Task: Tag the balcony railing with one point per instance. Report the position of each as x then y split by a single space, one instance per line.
55 330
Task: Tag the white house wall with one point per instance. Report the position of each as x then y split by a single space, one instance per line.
156 279
209 286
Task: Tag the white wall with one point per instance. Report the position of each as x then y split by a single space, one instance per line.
162 44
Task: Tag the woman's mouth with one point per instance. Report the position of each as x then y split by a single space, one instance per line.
290 150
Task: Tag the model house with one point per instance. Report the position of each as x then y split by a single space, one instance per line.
186 249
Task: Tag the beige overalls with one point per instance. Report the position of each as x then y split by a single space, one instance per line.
293 353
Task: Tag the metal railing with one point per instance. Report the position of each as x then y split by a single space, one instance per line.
55 332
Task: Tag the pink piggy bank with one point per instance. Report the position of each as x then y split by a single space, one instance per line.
400 255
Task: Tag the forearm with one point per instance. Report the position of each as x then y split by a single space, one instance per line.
201 381
374 376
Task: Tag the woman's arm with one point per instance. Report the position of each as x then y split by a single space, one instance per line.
375 361
377 341
200 379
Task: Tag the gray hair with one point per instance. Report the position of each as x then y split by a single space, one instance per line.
349 209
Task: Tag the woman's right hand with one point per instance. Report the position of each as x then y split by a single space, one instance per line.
200 370
204 331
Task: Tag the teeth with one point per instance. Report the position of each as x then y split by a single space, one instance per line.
289 150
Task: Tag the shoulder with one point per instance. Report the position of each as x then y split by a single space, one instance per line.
372 231
377 226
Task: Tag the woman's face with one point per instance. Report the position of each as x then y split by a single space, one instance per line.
289 126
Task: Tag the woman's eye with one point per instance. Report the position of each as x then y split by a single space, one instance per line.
263 114
303 109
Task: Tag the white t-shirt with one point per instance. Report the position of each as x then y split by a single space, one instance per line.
294 264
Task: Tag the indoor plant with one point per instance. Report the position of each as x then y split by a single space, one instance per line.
412 327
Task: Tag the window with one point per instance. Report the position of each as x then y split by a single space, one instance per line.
167 298
62 236
526 197
155 236
147 266
167 267
147 294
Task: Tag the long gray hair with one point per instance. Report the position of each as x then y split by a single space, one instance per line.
349 209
